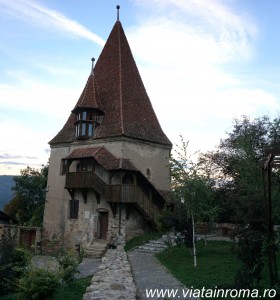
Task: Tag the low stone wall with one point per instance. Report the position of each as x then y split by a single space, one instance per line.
114 279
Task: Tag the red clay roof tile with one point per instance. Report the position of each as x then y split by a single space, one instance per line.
117 88
90 96
104 157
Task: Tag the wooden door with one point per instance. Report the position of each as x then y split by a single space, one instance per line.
27 238
103 224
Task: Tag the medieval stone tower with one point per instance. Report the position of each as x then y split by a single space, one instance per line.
108 169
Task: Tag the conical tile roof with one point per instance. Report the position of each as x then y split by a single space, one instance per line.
117 89
90 96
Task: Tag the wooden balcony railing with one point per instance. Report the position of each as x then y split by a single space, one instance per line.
113 193
86 180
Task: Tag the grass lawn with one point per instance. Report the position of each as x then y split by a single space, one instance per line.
216 265
73 291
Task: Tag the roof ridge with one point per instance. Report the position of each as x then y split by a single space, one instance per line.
99 149
85 90
120 78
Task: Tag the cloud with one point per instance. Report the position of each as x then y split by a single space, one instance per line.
28 148
37 14
9 156
189 52
17 163
29 94
186 30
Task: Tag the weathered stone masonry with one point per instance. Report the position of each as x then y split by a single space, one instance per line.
114 278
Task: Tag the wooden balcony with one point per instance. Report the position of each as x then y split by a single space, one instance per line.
83 180
127 193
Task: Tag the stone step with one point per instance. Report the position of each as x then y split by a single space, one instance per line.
92 251
147 250
147 247
97 247
155 246
96 250
94 255
159 244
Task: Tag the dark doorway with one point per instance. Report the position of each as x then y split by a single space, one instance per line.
103 225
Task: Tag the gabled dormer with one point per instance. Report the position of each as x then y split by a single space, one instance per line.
88 110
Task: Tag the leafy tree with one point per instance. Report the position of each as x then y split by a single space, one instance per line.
27 206
236 167
178 219
193 188
236 164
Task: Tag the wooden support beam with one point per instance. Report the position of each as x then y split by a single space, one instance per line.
71 193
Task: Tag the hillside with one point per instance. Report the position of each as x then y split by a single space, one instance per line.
6 194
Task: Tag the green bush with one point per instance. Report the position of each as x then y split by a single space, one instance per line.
250 252
38 284
6 271
21 259
13 263
68 266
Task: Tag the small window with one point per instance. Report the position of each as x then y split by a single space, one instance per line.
86 123
77 130
90 129
84 115
84 126
74 209
84 129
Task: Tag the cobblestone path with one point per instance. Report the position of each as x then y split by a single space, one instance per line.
149 274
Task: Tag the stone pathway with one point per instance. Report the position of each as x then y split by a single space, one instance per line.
149 274
88 267
113 280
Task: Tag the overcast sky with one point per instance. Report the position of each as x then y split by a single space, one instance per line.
203 63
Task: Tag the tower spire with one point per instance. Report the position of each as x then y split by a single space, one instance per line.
118 12
92 65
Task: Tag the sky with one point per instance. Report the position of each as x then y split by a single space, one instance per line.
203 63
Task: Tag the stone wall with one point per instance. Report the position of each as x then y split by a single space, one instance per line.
114 278
22 236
